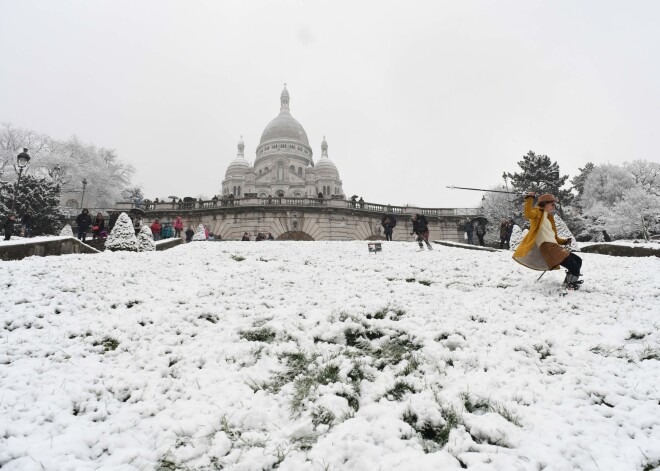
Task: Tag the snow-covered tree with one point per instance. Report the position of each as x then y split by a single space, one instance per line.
122 236
637 214
200 234
541 175
40 196
606 184
646 175
146 240
578 180
66 231
106 175
517 236
499 206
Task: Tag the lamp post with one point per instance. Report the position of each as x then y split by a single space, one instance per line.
22 161
82 198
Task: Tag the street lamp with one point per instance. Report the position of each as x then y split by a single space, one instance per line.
82 198
22 161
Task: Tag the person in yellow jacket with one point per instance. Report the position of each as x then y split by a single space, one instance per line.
541 248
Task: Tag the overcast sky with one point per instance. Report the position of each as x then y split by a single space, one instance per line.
411 96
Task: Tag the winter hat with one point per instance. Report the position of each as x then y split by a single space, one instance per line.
547 198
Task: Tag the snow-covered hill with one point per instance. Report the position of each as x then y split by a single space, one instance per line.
321 356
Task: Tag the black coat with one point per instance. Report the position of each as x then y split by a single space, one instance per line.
83 221
8 226
421 225
388 222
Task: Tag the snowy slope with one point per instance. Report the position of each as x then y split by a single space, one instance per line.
319 355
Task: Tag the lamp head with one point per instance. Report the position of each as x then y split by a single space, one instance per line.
23 159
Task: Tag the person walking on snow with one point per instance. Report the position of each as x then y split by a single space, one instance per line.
421 228
540 249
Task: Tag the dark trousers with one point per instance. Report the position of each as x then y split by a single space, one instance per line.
572 263
423 237
388 234
481 239
8 234
504 241
82 234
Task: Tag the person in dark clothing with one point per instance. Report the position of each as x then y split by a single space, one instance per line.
388 222
113 220
246 237
354 201
83 221
361 202
28 222
506 229
189 234
8 226
421 228
469 230
98 225
270 237
480 230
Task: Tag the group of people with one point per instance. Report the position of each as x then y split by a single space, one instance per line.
475 227
357 203
25 228
84 222
260 236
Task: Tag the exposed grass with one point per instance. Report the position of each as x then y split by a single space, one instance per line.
394 351
649 353
108 343
425 282
616 352
321 415
209 317
238 258
632 335
263 334
400 389
437 434
475 405
412 365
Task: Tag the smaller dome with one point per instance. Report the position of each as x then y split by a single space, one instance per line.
325 163
238 165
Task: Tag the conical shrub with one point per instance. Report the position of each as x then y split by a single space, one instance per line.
122 236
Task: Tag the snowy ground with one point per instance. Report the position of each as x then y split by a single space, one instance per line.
321 356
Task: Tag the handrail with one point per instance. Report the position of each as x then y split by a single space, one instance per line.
301 201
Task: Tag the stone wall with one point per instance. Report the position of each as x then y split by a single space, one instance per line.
44 248
332 220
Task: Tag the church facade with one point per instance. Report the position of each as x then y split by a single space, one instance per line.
284 164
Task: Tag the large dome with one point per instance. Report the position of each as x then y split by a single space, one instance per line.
284 126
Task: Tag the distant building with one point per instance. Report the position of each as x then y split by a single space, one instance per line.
284 164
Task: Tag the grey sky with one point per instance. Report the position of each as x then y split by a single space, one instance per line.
411 96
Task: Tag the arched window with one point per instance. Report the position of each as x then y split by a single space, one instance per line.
259 171
292 169
266 169
300 172
239 192
279 194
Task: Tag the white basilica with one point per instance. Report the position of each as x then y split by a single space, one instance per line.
283 166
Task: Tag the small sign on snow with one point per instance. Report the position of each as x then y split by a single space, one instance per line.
375 247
